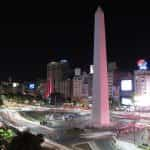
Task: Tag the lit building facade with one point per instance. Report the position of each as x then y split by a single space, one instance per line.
77 84
110 83
66 88
82 84
54 74
90 84
112 67
85 85
142 82
120 84
58 75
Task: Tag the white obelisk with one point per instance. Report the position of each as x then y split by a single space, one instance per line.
100 110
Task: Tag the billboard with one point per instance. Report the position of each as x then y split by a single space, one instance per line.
126 85
126 101
142 64
31 86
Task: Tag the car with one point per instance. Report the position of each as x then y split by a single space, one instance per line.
71 116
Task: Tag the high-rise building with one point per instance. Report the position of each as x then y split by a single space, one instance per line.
85 85
82 84
54 75
124 81
65 69
112 67
142 82
77 84
66 88
58 73
90 84
142 87
110 83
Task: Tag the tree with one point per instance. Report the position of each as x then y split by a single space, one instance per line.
5 137
2 98
26 141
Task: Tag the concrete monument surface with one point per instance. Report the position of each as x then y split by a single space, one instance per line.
100 110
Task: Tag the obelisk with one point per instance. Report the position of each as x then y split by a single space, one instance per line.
100 110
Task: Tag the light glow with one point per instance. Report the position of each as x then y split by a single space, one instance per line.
142 100
15 84
91 69
63 61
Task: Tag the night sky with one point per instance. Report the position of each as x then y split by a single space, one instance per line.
66 32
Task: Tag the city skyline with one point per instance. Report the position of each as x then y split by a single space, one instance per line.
26 49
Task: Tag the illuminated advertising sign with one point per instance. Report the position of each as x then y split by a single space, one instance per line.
126 85
31 86
142 64
126 101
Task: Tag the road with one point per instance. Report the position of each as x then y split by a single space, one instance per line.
13 118
136 124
